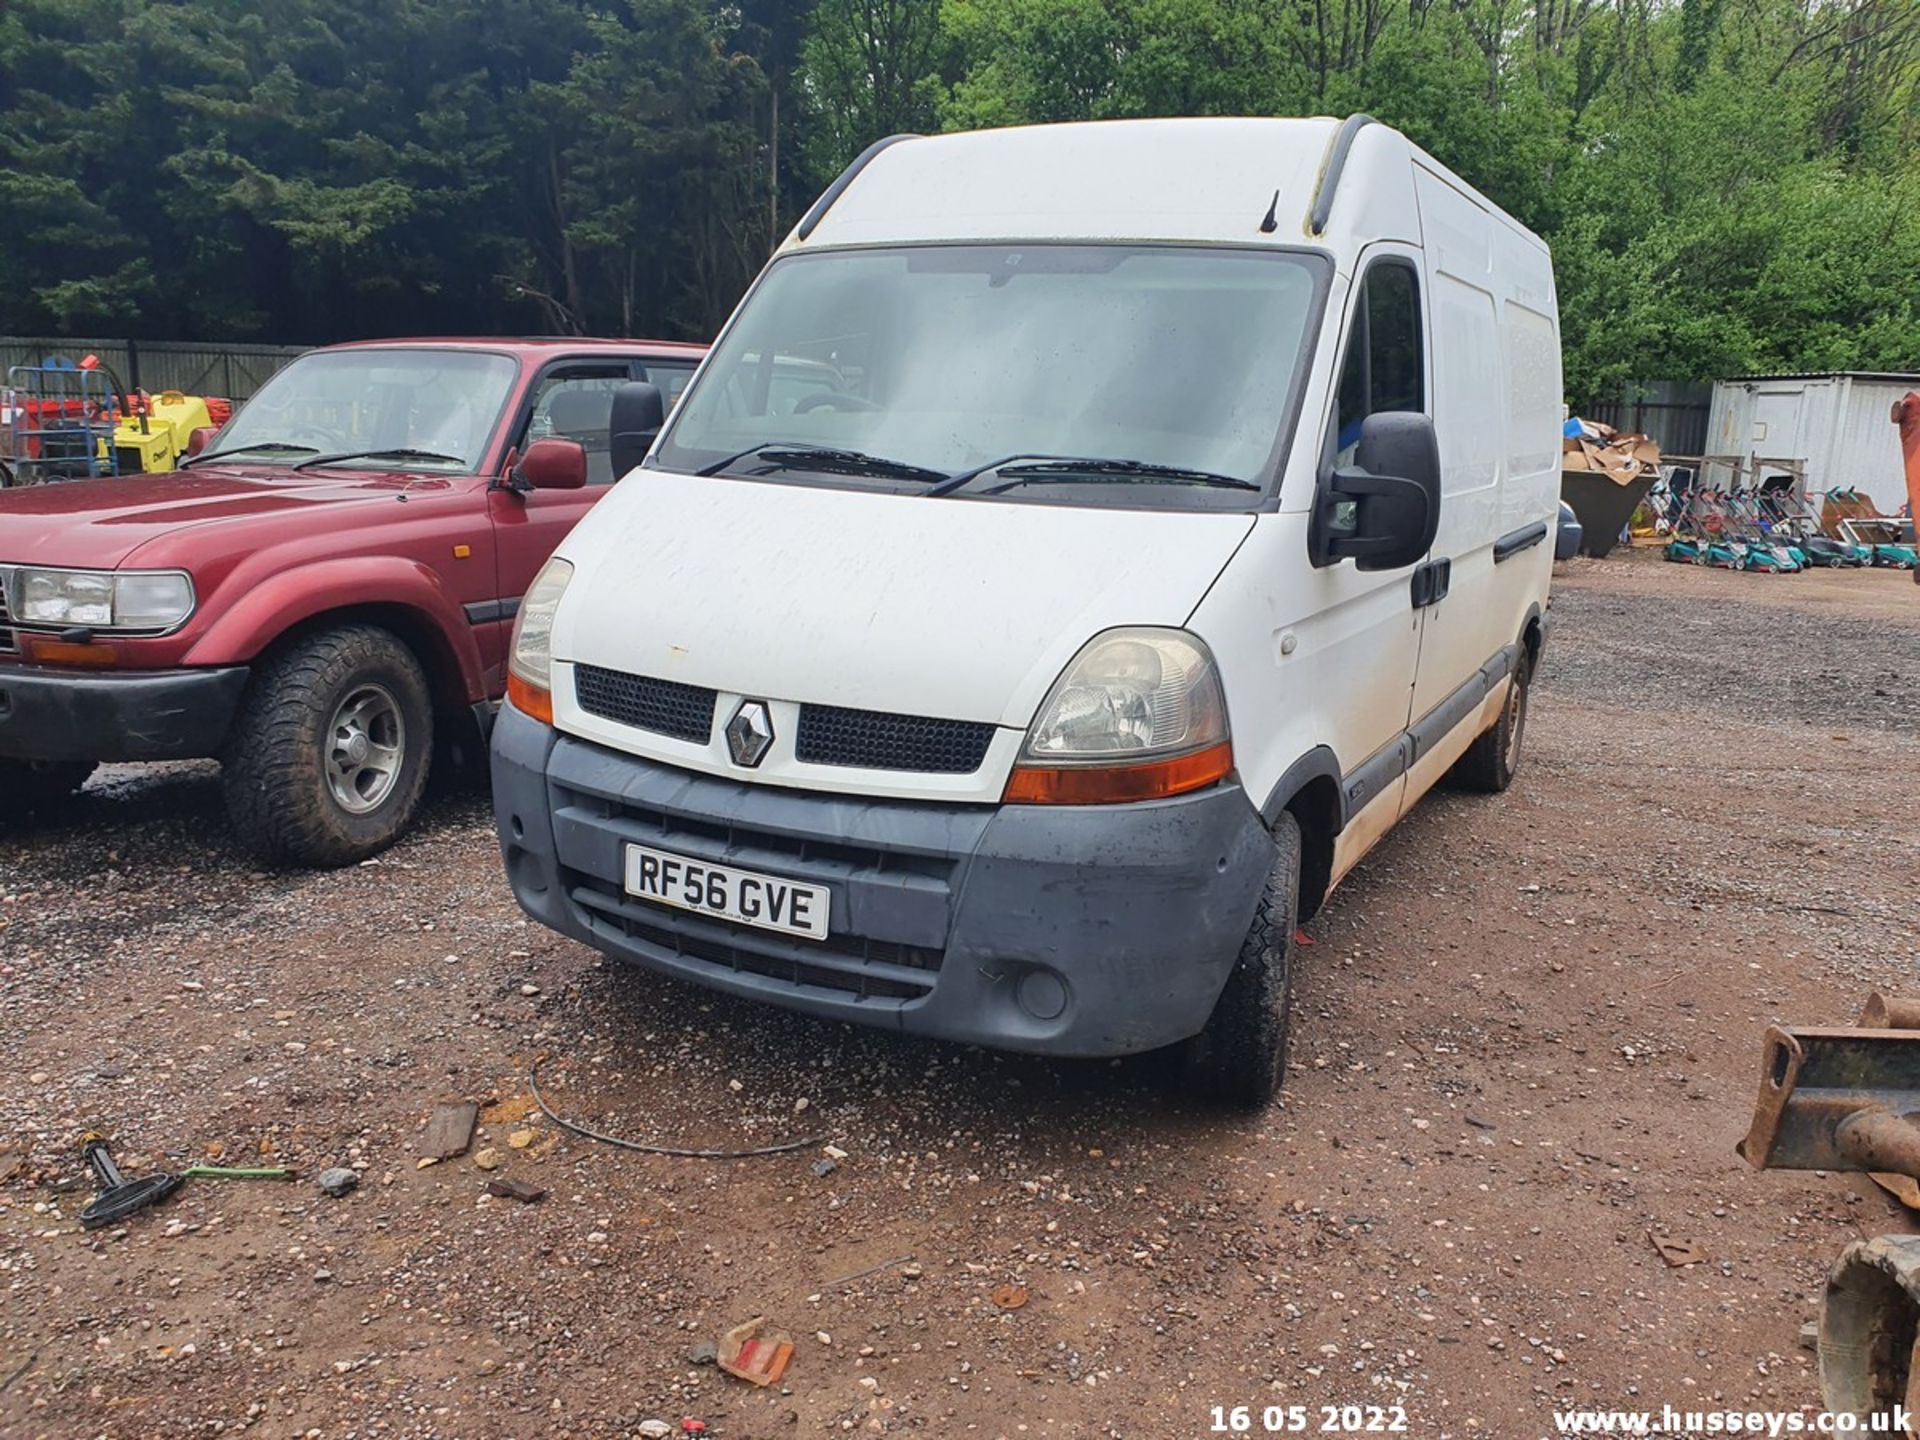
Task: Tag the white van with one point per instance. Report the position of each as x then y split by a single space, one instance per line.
1081 545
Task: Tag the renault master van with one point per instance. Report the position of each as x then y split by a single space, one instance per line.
1083 543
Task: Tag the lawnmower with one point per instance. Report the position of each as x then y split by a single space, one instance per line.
1889 539
1748 523
1823 550
1690 520
1792 514
1722 545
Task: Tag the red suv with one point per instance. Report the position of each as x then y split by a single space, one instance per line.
328 581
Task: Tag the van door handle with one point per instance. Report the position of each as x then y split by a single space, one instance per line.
1431 582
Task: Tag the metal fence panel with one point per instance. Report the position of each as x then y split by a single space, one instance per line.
1673 412
232 371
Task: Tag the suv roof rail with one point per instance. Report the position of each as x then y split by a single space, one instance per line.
818 210
1336 162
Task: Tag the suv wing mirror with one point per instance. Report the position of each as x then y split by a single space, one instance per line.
551 464
639 411
1383 510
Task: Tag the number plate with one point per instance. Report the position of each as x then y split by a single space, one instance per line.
745 897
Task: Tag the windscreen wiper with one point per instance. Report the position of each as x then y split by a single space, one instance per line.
265 445
781 455
1036 468
401 453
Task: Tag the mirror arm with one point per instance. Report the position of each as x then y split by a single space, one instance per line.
509 477
1349 484
1355 486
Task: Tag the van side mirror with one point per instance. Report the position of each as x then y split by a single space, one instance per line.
1383 510
639 410
551 464
200 437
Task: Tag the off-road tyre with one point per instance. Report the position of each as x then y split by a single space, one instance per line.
1491 762
1240 1059
41 785
276 764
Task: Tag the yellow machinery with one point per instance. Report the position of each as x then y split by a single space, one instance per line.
154 438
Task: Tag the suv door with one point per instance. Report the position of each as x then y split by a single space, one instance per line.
570 399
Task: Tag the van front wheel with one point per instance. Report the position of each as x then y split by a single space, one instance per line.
1240 1058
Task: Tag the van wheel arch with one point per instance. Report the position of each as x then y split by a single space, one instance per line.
1532 636
1310 792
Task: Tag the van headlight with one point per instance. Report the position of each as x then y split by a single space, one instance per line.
127 600
530 653
1138 715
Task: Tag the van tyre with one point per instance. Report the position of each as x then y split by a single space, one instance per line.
42 784
1240 1058
330 752
1491 761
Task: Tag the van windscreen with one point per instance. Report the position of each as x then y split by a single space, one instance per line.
933 361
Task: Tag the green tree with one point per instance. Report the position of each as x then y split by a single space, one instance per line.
869 68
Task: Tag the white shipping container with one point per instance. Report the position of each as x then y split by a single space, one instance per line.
1839 425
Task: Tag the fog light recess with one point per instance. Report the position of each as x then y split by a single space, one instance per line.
1042 994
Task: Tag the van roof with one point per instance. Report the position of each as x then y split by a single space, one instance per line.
1205 180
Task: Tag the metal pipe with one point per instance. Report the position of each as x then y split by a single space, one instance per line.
1879 1140
1890 1012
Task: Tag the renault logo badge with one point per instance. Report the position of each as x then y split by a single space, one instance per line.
750 733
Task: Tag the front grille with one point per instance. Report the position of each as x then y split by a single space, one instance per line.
665 707
9 642
829 734
875 740
847 964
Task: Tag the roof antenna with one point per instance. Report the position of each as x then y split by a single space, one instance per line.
1272 221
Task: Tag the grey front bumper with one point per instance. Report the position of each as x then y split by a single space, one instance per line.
1071 930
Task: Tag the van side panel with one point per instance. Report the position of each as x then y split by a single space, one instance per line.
1469 416
1530 487
1497 408
1530 354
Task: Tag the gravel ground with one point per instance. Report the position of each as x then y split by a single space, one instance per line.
1528 1031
